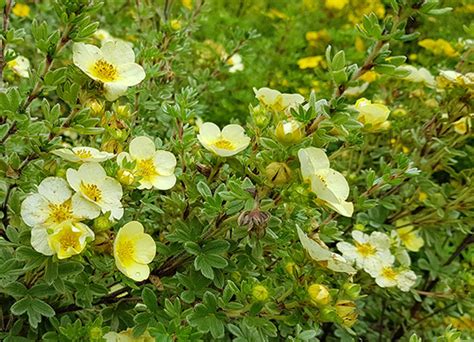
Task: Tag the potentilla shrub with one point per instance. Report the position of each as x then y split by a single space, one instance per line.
131 213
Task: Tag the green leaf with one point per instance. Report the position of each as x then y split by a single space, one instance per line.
149 299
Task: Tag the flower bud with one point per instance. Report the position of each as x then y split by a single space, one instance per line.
102 223
289 132
256 221
260 293
291 268
278 173
347 311
319 294
97 108
352 290
112 146
122 111
260 116
125 177
95 334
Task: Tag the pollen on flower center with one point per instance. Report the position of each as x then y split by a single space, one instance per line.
125 251
323 180
91 191
389 273
59 213
69 239
146 169
224 144
365 249
83 154
104 71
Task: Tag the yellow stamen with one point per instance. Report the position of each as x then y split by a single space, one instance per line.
104 71
224 144
389 273
59 213
83 154
146 169
126 251
365 249
68 239
91 191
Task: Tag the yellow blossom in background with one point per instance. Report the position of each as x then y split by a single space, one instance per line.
374 115
155 168
133 251
127 336
69 239
188 4
101 192
438 47
329 185
277 101
21 10
461 126
422 196
83 154
276 14
464 322
359 44
175 24
20 66
369 76
113 65
410 238
228 142
313 37
310 62
336 4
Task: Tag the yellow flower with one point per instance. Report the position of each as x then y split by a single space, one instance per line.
410 238
336 4
69 239
277 101
374 115
155 168
20 66
359 44
260 293
310 62
347 311
369 76
133 251
329 185
113 65
438 47
319 294
21 10
55 204
229 142
188 4
175 24
83 154
100 192
422 196
461 126
127 336
289 132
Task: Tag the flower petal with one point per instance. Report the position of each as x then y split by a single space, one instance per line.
82 208
34 210
55 190
39 241
208 132
117 52
165 162
84 56
312 159
114 90
164 182
130 74
142 148
145 249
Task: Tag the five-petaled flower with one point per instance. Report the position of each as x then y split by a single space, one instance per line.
372 115
83 154
113 65
133 251
329 185
229 142
276 101
154 168
386 275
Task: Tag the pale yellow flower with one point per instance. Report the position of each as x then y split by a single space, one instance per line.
319 294
461 126
20 66
133 251
347 311
371 114
127 336
420 75
229 142
155 168
410 238
21 10
329 185
388 276
188 4
235 63
68 239
277 101
367 250
289 131
113 65
310 62
83 154
101 192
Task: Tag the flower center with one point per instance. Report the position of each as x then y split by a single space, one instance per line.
69 239
323 180
91 191
224 144
146 169
365 249
83 154
125 251
59 213
104 71
389 273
